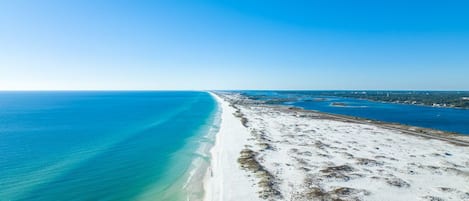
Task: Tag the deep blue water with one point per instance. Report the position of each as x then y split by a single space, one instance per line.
447 119
99 145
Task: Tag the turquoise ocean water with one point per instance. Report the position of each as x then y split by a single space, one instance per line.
104 145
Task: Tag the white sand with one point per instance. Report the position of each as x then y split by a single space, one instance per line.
322 159
225 180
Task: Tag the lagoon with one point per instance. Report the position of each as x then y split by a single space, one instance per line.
446 119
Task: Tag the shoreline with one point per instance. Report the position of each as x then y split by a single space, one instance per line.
255 159
187 166
402 103
193 186
192 181
224 175
454 137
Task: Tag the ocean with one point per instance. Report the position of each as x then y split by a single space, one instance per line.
114 145
446 119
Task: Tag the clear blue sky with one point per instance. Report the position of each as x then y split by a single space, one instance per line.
244 44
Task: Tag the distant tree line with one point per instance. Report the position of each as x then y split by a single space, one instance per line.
431 98
453 99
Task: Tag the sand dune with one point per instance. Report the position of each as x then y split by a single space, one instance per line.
269 153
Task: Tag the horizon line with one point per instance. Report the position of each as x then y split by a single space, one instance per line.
143 90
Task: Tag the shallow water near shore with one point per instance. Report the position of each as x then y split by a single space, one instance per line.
104 145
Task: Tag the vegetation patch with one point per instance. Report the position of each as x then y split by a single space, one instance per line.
368 162
266 183
338 172
397 182
336 194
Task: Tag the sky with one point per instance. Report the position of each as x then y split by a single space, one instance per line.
243 44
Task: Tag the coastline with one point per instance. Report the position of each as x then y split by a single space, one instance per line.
192 180
187 165
224 180
453 137
403 103
193 185
279 138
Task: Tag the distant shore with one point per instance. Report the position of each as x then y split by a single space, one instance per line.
266 152
437 105
444 99
453 137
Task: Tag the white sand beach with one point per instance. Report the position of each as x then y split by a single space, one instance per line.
225 180
270 153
